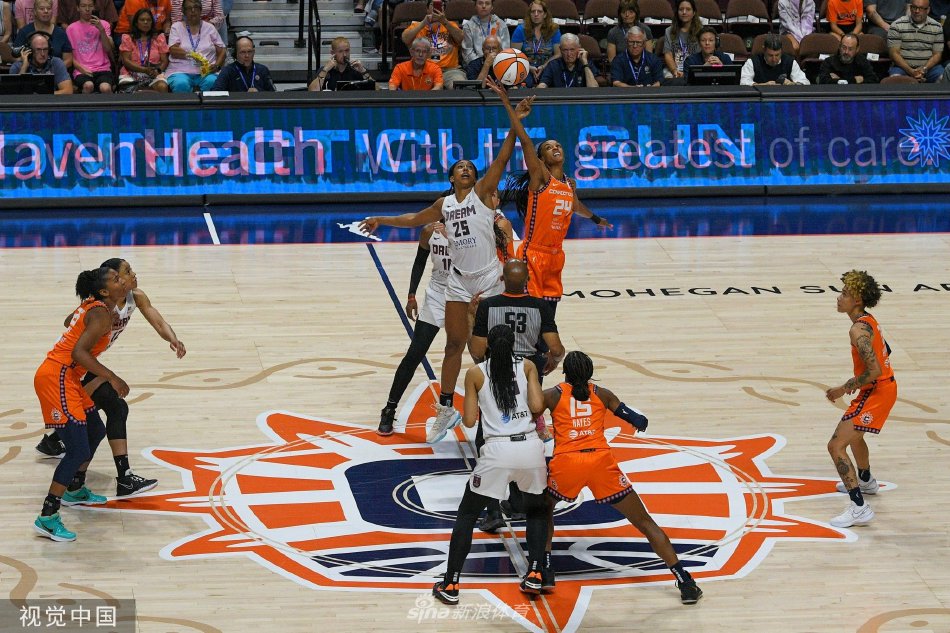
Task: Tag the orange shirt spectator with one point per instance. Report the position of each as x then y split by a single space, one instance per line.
845 16
420 72
404 77
161 11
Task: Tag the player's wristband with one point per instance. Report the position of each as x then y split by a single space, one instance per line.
596 219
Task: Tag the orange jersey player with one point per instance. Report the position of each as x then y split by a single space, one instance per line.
546 200
65 404
582 458
877 392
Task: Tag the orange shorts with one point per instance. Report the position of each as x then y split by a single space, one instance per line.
62 398
569 473
868 411
544 270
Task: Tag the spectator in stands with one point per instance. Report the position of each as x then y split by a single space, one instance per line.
636 66
538 38
681 40
915 44
161 11
243 74
339 67
102 9
571 69
628 15
24 11
480 68
772 67
481 26
847 65
845 16
43 22
882 13
144 55
796 20
446 38
709 52
196 51
211 12
92 45
6 22
35 59
420 72
940 10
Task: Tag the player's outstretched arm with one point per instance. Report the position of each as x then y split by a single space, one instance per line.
158 322
432 213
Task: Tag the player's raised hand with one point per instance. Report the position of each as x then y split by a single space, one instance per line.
496 86
524 108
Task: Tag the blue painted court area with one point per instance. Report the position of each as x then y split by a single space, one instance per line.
327 223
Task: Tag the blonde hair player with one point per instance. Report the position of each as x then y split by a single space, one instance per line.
876 389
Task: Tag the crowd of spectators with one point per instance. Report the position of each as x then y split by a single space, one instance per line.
181 46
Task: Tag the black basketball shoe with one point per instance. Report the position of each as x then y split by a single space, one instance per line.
547 579
446 593
50 448
386 418
532 583
131 485
690 593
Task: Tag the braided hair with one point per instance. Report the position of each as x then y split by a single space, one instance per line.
90 282
516 190
578 369
501 241
501 367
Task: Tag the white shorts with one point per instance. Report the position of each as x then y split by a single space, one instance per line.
502 461
433 308
464 286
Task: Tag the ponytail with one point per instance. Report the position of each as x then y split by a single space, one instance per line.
501 241
578 370
516 190
501 368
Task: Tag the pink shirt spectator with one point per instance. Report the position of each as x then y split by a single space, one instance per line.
796 17
203 42
211 11
87 46
23 11
143 54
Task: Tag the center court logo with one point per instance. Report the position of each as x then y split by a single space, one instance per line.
332 506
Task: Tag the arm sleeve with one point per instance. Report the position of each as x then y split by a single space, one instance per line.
631 415
547 318
418 267
480 328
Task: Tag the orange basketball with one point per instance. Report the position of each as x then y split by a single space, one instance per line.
511 67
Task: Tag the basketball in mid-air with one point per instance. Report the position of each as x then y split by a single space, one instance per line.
511 67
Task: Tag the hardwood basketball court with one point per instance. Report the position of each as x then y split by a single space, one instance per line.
726 343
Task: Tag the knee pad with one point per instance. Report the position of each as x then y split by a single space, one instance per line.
115 420
115 409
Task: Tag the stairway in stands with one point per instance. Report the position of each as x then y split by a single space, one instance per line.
274 27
